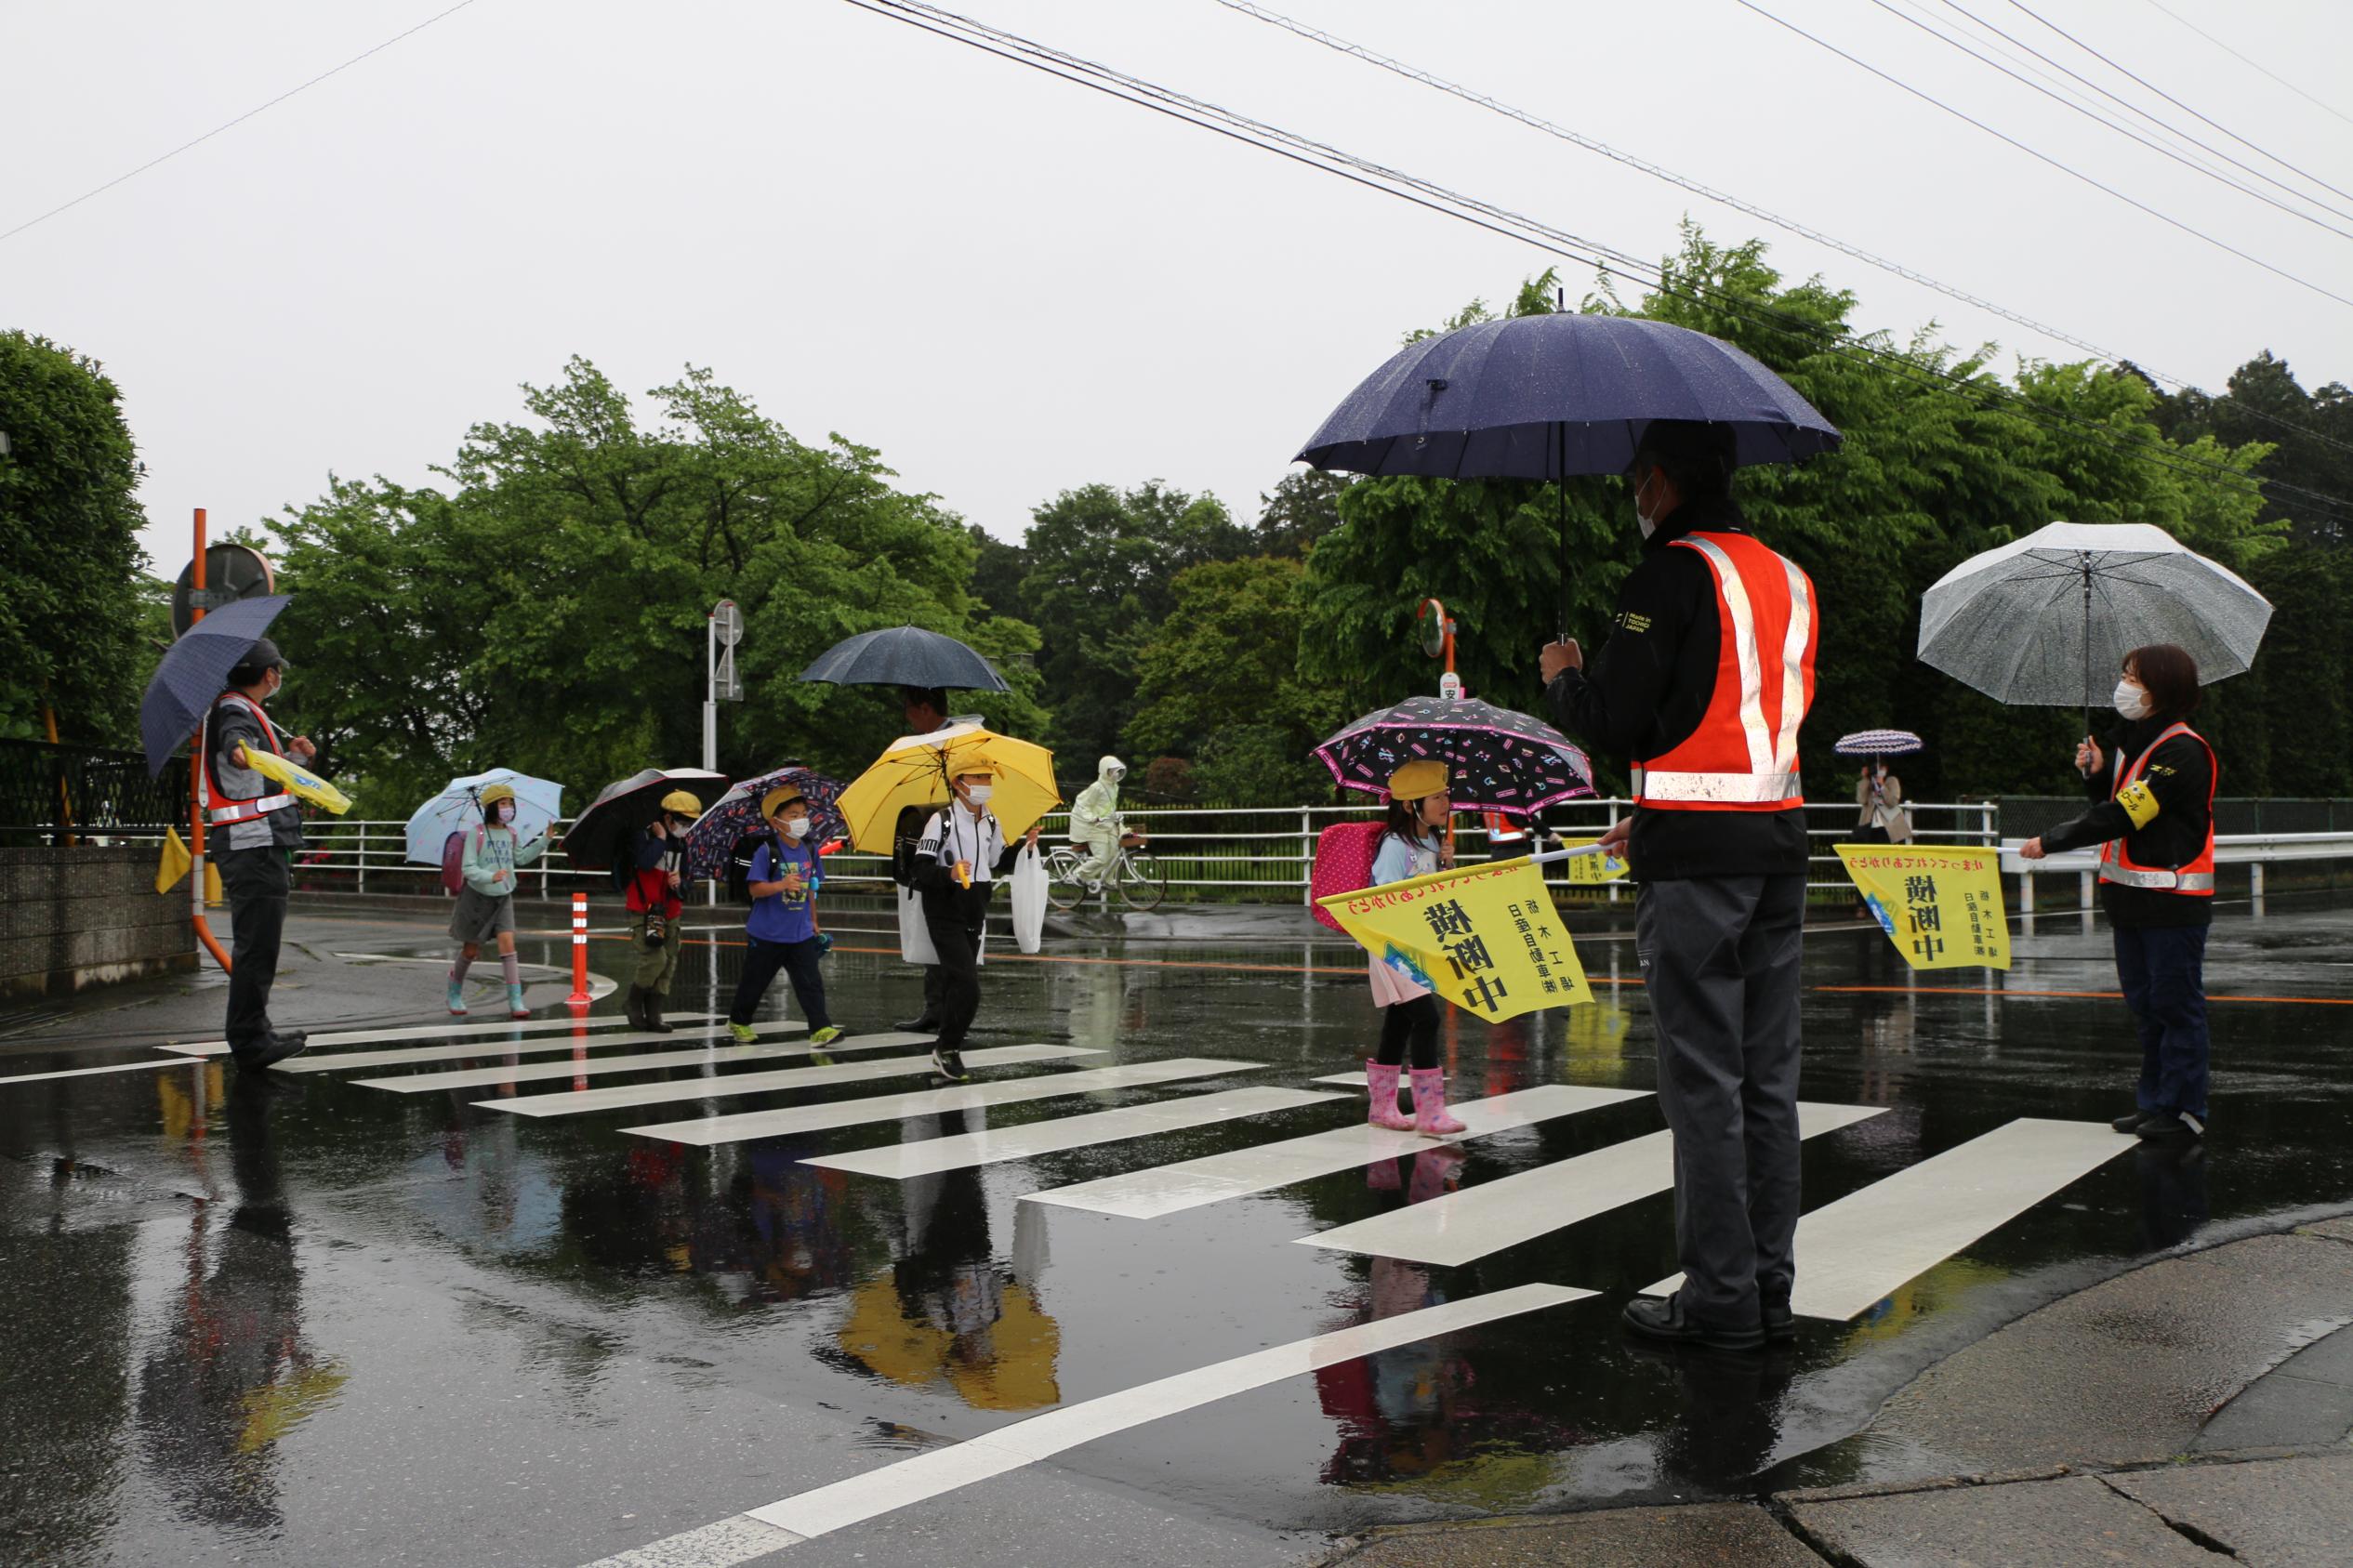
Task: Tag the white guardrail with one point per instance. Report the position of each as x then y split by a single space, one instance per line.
1238 850
2253 851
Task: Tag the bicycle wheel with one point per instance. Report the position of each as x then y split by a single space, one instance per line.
1142 883
1062 887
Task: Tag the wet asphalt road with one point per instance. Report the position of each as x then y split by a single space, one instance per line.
302 1321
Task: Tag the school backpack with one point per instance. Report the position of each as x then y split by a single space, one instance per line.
454 859
1343 864
739 862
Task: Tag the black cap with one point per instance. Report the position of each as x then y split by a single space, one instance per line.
262 657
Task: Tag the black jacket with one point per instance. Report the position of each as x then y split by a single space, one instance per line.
1647 691
2181 779
951 835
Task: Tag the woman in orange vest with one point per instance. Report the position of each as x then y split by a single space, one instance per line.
2155 825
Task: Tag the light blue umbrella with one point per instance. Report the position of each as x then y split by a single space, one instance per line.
538 804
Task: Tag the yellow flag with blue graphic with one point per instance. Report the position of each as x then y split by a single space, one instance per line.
1940 905
1486 937
301 782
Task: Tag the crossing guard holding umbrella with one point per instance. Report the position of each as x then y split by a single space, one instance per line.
260 825
1705 683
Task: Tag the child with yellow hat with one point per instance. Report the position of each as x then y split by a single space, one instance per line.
1412 844
486 906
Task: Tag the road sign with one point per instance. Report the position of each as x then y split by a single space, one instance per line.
728 621
231 573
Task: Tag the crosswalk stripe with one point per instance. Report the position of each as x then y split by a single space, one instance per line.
728 1085
1855 1252
112 1067
924 1476
524 1073
438 1031
931 1155
1466 1226
1147 1194
927 1102
402 1056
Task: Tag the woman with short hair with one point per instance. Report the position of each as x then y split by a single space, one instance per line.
2154 821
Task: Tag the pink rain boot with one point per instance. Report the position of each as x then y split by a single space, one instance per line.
1381 1087
1429 1118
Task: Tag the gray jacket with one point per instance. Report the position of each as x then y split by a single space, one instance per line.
238 720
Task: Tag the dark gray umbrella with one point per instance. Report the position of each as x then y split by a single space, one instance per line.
195 670
622 808
905 656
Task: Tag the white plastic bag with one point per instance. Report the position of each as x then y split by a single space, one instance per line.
914 937
1029 899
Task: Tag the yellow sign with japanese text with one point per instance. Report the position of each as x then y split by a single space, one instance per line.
1592 871
1484 937
1940 905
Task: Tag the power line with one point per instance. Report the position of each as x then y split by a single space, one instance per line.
2044 157
2123 130
290 92
2252 65
1896 269
2169 98
1239 127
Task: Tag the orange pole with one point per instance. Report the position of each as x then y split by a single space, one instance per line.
196 777
578 1000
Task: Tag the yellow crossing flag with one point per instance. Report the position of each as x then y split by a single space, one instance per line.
1484 937
301 782
1942 905
1592 871
175 862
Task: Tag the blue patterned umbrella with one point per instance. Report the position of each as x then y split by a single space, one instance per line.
1497 761
711 841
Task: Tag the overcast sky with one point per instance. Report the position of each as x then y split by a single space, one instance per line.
1011 285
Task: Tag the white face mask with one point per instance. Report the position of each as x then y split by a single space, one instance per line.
506 812
2130 700
798 827
978 794
1643 520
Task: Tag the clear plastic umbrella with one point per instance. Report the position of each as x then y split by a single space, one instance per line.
538 805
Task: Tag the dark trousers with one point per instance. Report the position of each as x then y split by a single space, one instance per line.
1415 1022
955 922
256 882
2162 970
798 960
1719 963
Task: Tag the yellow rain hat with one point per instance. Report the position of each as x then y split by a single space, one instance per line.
783 794
1418 780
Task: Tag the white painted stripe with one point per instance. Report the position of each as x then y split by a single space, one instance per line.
929 1102
931 1155
475 1050
728 1085
440 1032
727 1544
644 1061
117 1067
1466 1226
1854 1253
1148 1195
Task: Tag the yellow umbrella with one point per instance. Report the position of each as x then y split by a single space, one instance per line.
915 772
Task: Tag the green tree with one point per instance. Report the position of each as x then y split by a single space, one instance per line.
78 619
1302 508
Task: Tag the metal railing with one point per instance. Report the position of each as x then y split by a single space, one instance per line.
60 795
2253 851
1253 853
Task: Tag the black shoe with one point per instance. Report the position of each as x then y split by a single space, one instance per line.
634 1006
1780 1322
653 1015
2131 1123
950 1065
2171 1124
927 1024
272 1050
1665 1321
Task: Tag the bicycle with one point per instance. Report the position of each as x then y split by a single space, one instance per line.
1133 871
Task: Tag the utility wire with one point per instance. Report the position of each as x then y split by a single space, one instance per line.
290 92
1896 269
2044 157
2169 98
2120 129
2252 65
1134 90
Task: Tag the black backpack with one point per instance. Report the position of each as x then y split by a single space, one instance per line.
739 862
910 830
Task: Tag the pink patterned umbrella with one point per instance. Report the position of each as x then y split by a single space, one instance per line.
1497 760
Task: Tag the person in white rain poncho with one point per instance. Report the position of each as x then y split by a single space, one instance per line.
1095 820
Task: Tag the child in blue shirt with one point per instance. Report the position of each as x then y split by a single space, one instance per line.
782 927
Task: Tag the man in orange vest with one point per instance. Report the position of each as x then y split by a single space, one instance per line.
255 826
1704 683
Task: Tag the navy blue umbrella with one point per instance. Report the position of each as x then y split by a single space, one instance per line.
905 656
195 670
1549 397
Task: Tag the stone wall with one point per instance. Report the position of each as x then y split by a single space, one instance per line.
83 917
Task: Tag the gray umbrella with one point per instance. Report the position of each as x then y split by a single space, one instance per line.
905 656
2047 621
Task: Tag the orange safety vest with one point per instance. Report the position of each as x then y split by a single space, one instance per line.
1743 755
2194 879
243 809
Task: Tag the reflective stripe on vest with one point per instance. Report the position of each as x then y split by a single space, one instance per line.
1743 755
2194 879
246 809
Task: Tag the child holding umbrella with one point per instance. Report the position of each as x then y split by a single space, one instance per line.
781 931
486 907
1412 844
